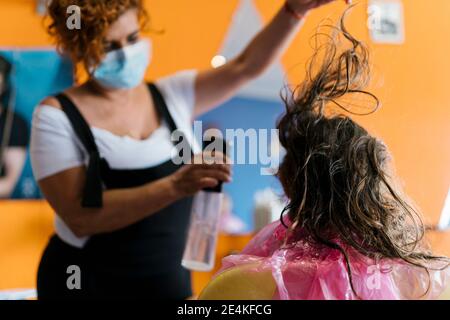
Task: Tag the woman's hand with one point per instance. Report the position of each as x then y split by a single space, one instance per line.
206 171
301 7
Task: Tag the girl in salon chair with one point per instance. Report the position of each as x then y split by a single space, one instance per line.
348 231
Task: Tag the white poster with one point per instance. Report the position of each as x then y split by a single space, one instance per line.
444 222
386 21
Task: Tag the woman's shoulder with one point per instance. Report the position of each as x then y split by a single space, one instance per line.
49 114
179 84
48 108
178 77
178 89
53 101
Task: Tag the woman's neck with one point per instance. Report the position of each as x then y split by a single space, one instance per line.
109 94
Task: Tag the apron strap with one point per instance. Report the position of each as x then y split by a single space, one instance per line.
164 113
93 188
161 106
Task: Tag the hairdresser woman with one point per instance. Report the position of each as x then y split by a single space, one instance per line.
101 152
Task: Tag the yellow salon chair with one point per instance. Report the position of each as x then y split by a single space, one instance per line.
241 283
445 295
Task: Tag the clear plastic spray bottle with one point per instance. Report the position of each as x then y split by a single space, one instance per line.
200 251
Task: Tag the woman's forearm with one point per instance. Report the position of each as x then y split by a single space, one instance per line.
122 208
270 43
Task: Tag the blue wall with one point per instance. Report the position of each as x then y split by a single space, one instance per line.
240 113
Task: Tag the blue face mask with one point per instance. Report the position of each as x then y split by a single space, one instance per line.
124 68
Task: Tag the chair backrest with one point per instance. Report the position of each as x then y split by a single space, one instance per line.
241 283
446 294
245 283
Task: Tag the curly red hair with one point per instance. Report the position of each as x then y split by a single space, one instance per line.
86 46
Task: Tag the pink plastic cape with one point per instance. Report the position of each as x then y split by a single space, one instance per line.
306 272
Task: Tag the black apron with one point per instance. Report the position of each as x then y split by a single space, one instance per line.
142 261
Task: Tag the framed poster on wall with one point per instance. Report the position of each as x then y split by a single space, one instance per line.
386 21
444 222
35 74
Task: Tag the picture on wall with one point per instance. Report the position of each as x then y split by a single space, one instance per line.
444 222
386 21
26 77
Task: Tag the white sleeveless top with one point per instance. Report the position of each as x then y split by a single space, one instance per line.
55 147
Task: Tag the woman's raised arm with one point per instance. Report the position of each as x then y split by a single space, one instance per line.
217 85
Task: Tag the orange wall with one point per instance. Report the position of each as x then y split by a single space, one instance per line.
412 79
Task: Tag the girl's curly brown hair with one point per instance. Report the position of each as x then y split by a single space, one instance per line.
86 46
335 174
